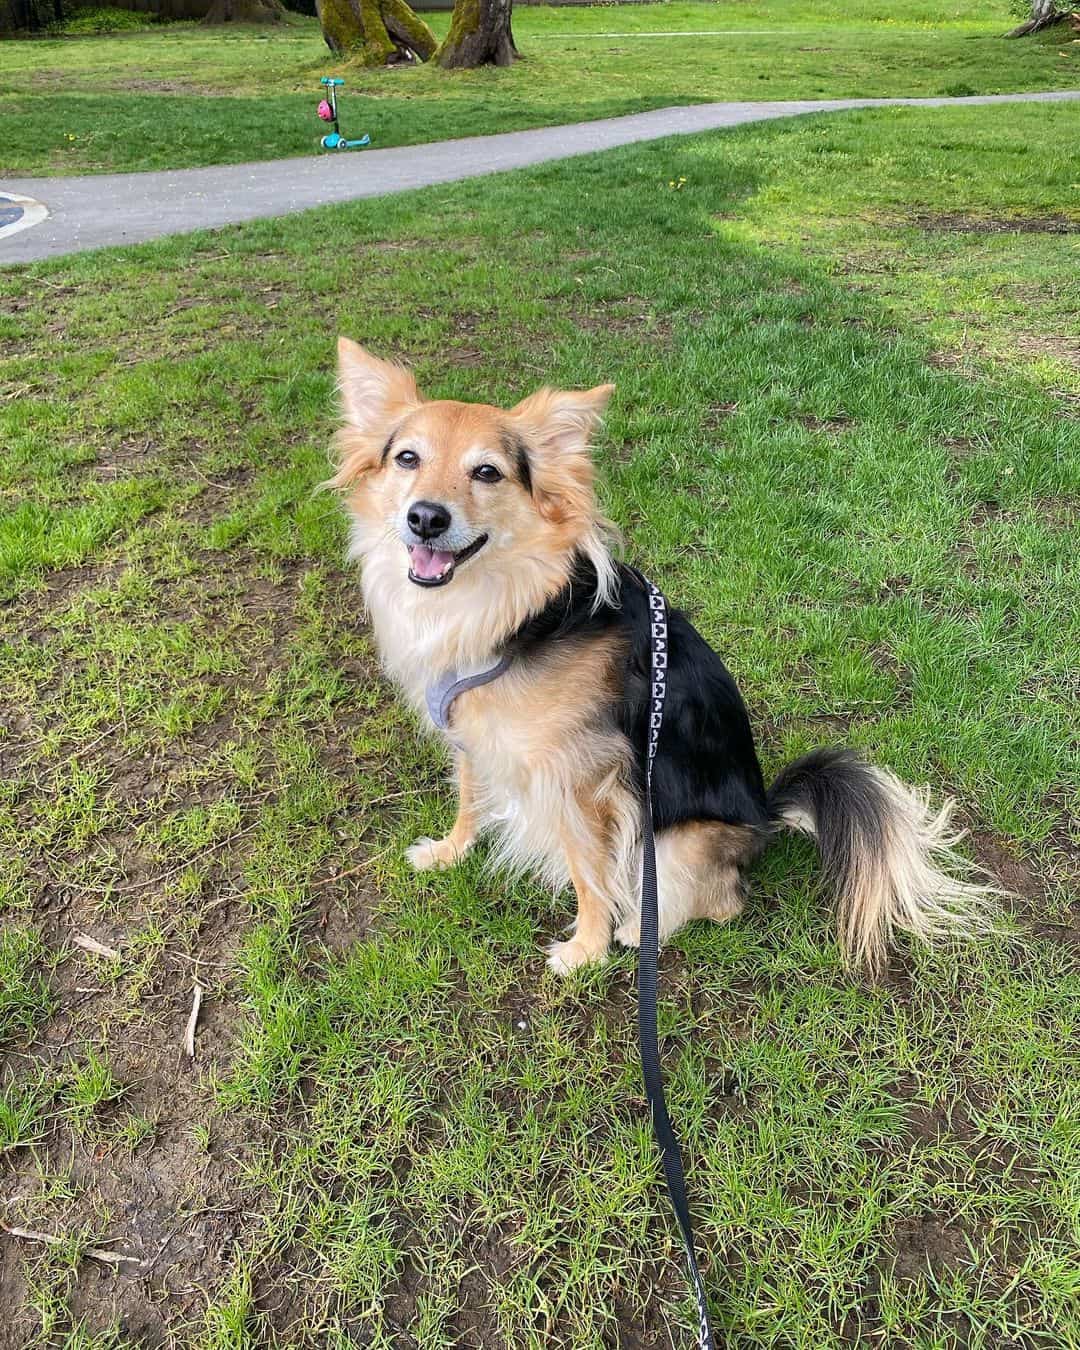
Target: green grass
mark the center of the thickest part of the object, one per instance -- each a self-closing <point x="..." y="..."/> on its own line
<point x="24" y="995"/>
<point x="845" y="435"/>
<point x="181" y="95"/>
<point x="91" y="1087"/>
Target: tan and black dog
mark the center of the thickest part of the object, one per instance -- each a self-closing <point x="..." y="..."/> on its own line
<point x="487" y="575"/>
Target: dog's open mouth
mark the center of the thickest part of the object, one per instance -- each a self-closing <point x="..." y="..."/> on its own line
<point x="435" y="566"/>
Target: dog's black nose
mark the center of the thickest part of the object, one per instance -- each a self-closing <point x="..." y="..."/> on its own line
<point x="428" y="519"/>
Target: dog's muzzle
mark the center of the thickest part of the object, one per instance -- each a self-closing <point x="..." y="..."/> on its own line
<point x="429" y="566"/>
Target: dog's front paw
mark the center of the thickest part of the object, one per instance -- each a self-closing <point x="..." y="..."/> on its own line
<point x="628" y="934"/>
<point x="563" y="957"/>
<point x="428" y="855"/>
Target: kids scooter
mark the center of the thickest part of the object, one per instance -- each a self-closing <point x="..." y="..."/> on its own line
<point x="334" y="140"/>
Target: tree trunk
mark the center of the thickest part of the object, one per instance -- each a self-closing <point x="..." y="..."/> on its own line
<point x="480" y="35"/>
<point x="374" y="32"/>
<point x="1043" y="14"/>
<point x="245" y="11"/>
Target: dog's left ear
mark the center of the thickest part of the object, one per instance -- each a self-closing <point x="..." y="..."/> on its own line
<point x="557" y="427"/>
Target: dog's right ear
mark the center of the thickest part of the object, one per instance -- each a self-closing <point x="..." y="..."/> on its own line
<point x="375" y="396"/>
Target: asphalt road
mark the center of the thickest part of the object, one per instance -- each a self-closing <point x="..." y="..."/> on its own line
<point x="109" y="209"/>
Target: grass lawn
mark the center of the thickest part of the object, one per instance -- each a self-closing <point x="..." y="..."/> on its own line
<point x="846" y="434"/>
<point x="182" y="95"/>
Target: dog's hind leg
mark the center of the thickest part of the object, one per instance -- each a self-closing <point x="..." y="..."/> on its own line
<point x="438" y="854"/>
<point x="699" y="870"/>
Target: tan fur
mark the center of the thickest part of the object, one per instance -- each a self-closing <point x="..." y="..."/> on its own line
<point x="699" y="875"/>
<point x="427" y="854"/>
<point x="551" y="773"/>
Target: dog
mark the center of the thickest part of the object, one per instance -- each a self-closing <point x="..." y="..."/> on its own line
<point x="502" y="616"/>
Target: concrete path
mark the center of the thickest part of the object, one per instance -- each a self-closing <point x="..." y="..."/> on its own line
<point x="104" y="209"/>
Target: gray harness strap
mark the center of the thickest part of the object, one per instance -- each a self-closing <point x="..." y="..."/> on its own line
<point x="440" y="695"/>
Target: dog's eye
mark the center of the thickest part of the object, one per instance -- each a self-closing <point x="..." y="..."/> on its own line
<point x="487" y="473"/>
<point x="407" y="459"/>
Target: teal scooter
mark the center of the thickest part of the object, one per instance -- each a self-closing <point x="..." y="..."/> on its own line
<point x="327" y="110"/>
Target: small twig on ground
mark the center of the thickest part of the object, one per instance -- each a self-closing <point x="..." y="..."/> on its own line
<point x="98" y="1254"/>
<point x="350" y="872"/>
<point x="198" y="960"/>
<point x="149" y="1265"/>
<point x="193" y="1017"/>
<point x="89" y="944"/>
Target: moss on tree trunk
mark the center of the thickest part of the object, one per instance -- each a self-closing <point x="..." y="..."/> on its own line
<point x="480" y="35"/>
<point x="374" y="32"/>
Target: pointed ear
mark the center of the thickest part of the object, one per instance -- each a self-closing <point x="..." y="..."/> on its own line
<point x="375" y="396"/>
<point x="557" y="426"/>
<point x="373" y="392"/>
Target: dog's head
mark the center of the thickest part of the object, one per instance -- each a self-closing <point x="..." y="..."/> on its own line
<point x="463" y="488"/>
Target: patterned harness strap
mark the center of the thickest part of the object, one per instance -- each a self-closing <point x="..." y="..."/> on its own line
<point x="647" y="968"/>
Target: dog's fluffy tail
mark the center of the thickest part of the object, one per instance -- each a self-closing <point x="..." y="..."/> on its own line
<point x="890" y="857"/>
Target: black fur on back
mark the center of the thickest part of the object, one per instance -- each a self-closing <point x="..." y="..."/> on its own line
<point x="706" y="767"/>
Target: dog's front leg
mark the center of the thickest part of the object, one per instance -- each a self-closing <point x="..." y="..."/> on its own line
<point x="439" y="854"/>
<point x="585" y="843"/>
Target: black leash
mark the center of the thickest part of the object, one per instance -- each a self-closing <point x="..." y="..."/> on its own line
<point x="647" y="962"/>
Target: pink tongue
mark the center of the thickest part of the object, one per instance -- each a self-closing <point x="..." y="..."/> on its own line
<point x="429" y="563"/>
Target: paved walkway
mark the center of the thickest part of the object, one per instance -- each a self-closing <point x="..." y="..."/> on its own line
<point x="104" y="209"/>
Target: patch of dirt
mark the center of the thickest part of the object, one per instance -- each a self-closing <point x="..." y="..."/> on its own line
<point x="831" y="426"/>
<point x="925" y="1124"/>
<point x="340" y="915"/>
<point x="1036" y="346"/>
<point x="219" y="493"/>
<point x="176" y="1206"/>
<point x="945" y="361"/>
<point x="145" y="86"/>
<point x="393" y="246"/>
<point x="1059" y="513"/>
<point x="626" y="317"/>
<point x="717" y="414"/>
<point x="175" y="1202"/>
<point x="1010" y="872"/>
<point x="1071" y="401"/>
<point x="961" y="447"/>
<point x="56" y="589"/>
<point x="926" y="1246"/>
<point x="957" y="222"/>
